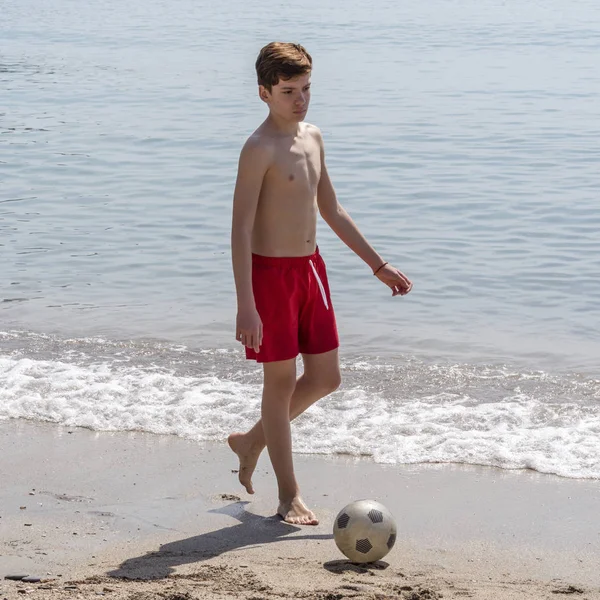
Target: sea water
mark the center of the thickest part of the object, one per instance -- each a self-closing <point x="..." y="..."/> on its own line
<point x="462" y="137"/>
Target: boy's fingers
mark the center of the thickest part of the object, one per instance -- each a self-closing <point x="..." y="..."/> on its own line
<point x="404" y="278"/>
<point x="405" y="283"/>
<point x="401" y="284"/>
<point x="401" y="290"/>
<point x="251" y="340"/>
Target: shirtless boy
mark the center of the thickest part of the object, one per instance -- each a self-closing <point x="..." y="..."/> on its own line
<point x="283" y="299"/>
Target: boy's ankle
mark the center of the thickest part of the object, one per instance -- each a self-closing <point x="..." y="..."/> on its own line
<point x="285" y="498"/>
<point x="250" y="440"/>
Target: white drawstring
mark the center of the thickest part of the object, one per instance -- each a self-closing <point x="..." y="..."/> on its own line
<point x="320" y="285"/>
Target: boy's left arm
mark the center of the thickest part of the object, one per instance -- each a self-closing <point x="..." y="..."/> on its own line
<point x="344" y="227"/>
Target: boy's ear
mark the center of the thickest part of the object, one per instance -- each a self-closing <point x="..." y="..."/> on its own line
<point x="263" y="93"/>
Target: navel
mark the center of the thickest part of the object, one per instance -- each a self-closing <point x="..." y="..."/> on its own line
<point x="291" y="178"/>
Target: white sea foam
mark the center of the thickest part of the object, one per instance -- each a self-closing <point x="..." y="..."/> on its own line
<point x="105" y="397"/>
<point x="516" y="431"/>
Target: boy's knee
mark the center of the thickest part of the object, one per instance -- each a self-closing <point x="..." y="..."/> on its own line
<point x="283" y="384"/>
<point x="330" y="382"/>
<point x="336" y="381"/>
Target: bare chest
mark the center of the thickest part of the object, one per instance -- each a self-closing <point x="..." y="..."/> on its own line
<point x="296" y="169"/>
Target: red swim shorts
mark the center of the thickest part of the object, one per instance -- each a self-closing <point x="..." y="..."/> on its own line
<point x="293" y="300"/>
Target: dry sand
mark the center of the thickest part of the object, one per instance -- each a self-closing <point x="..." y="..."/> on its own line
<point x="141" y="516"/>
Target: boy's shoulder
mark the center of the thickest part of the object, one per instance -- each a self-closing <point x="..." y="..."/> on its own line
<point x="259" y="146"/>
<point x="313" y="131"/>
<point x="259" y="139"/>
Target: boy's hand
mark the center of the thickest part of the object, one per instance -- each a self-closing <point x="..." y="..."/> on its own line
<point x="249" y="329"/>
<point x="397" y="281"/>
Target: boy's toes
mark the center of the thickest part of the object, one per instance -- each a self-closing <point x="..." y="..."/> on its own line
<point x="296" y="513"/>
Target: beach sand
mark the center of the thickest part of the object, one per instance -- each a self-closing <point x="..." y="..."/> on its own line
<point x="140" y="516"/>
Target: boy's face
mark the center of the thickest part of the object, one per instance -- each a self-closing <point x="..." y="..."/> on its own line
<point x="288" y="99"/>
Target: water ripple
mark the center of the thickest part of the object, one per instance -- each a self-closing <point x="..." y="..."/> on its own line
<point x="462" y="137"/>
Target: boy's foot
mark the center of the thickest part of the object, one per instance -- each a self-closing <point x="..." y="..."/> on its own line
<point x="296" y="513"/>
<point x="248" y="455"/>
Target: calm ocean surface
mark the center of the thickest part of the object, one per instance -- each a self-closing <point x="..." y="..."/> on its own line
<point x="462" y="137"/>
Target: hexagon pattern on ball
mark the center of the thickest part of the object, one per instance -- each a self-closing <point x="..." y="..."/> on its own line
<point x="364" y="531"/>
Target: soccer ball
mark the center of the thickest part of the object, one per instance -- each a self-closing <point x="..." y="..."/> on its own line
<point x="365" y="531"/>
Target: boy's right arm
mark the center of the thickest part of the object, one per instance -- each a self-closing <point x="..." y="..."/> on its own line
<point x="253" y="164"/>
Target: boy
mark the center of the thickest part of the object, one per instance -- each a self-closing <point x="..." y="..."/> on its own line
<point x="283" y="299"/>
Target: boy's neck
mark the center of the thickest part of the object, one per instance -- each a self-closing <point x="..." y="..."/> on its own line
<point x="283" y="127"/>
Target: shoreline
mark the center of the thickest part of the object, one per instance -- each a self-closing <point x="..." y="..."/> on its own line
<point x="575" y="357"/>
<point x="169" y="511"/>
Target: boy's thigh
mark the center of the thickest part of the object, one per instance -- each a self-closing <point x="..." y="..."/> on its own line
<point x="322" y="367"/>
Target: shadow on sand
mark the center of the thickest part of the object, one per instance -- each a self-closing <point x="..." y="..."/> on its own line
<point x="251" y="531"/>
<point x="342" y="566"/>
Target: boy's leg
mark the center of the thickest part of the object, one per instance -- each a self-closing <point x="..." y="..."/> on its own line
<point x="321" y="377"/>
<point x="279" y="384"/>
